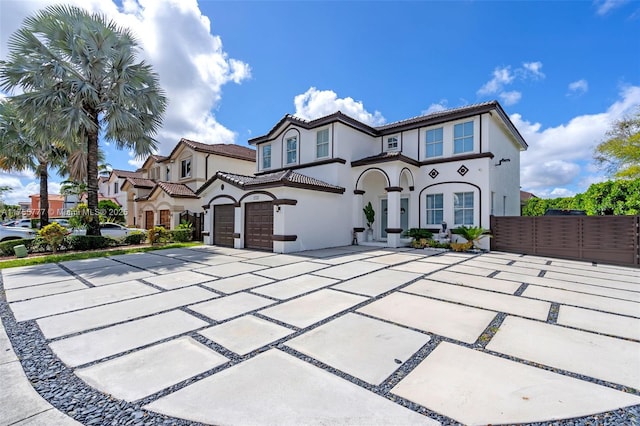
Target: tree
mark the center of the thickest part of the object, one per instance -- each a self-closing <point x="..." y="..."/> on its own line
<point x="24" y="147"/>
<point x="81" y="69"/>
<point x="619" y="154"/>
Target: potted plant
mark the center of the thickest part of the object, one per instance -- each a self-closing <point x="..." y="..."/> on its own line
<point x="370" y="215"/>
<point x="473" y="235"/>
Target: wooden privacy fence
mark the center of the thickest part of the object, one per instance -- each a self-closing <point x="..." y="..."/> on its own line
<point x="600" y="239"/>
<point x="197" y="223"/>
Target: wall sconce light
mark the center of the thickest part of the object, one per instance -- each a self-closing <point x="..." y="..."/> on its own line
<point x="503" y="160"/>
<point x="277" y="208"/>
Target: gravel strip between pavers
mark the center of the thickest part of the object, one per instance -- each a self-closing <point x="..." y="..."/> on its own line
<point x="59" y="386"/>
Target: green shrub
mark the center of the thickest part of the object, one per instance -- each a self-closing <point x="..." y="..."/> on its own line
<point x="6" y="248"/>
<point x="53" y="234"/>
<point x="180" y="235"/>
<point x="90" y="242"/>
<point x="135" y="237"/>
<point x="158" y="235"/>
<point x="418" y="233"/>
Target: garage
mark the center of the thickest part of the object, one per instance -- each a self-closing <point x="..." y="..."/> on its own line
<point x="258" y="228"/>
<point x="223" y="224"/>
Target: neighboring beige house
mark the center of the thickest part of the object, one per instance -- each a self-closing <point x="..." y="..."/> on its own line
<point x="312" y="180"/>
<point x="164" y="187"/>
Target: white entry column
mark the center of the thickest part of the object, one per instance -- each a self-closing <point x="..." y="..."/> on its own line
<point x="358" y="215"/>
<point x="393" y="216"/>
<point x="237" y="227"/>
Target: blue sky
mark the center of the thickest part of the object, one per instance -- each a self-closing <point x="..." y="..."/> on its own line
<point x="563" y="71"/>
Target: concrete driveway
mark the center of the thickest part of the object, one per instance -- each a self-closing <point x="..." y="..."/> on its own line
<point x="350" y="335"/>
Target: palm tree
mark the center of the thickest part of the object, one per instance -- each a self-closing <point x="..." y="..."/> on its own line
<point x="22" y="148"/>
<point x="81" y="69"/>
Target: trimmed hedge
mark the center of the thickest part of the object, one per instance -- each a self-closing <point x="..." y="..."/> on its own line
<point x="89" y="242"/>
<point x="136" y="237"/>
<point x="6" y="247"/>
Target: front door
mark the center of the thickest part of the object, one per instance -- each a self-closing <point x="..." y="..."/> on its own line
<point x="148" y="219"/>
<point x="404" y="216"/>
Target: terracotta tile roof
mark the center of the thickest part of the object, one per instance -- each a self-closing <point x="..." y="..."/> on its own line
<point x="384" y="157"/>
<point x="139" y="182"/>
<point x="225" y="150"/>
<point x="282" y="178"/>
<point x="126" y="173"/>
<point x="159" y="158"/>
<point x="176" y="190"/>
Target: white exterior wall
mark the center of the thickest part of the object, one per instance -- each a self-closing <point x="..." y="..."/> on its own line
<point x="504" y="179"/>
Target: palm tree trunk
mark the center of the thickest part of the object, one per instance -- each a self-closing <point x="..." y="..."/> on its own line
<point x="44" y="194"/>
<point x="93" y="227"/>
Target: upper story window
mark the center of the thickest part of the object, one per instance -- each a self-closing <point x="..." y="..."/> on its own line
<point x="185" y="168"/>
<point x="392" y="143"/>
<point x="292" y="150"/>
<point x="434" y="142"/>
<point x="115" y="187"/>
<point x="463" y="137"/>
<point x="463" y="208"/>
<point x="168" y="174"/>
<point x="322" y="143"/>
<point x="266" y="156"/>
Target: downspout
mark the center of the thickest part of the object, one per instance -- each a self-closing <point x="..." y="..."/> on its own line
<point x="206" y="167"/>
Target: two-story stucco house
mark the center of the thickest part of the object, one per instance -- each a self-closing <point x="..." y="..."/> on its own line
<point x="313" y="179"/>
<point x="164" y="187"/>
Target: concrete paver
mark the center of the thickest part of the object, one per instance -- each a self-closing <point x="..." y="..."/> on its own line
<point x="99" y="316"/>
<point x="276" y="388"/>
<point x="484" y="271"/>
<point x="115" y="274"/>
<point x="476" y="281"/>
<point x="447" y="319"/>
<point x="349" y="270"/>
<point x="529" y="308"/>
<point x="245" y="334"/>
<point x="366" y="348"/>
<point x="230" y="269"/>
<point x="238" y="283"/>
<point x="476" y="388"/>
<point x="291" y="270"/>
<point x="581" y="352"/>
<point x="145" y="372"/>
<point x="313" y="307"/>
<point x="276" y="260"/>
<point x="58" y="303"/>
<point x="23" y="293"/>
<point x="95" y="345"/>
<point x="95" y="263"/>
<point x="418" y="267"/>
<point x="293" y="287"/>
<point x="27" y="278"/>
<point x="394" y="259"/>
<point x="180" y="279"/>
<point x="377" y="282"/>
<point x="230" y="306"/>
<point x="602" y="303"/>
<point x="600" y="322"/>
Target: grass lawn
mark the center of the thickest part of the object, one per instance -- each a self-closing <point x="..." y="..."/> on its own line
<point x="54" y="258"/>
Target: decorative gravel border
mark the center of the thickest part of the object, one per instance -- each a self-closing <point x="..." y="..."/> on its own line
<point x="57" y="383"/>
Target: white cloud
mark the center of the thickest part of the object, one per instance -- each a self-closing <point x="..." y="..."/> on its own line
<point x="532" y="69"/>
<point x="562" y="155"/>
<point x="436" y="107"/>
<point x="504" y="76"/>
<point x="510" y="98"/>
<point x="501" y="77"/>
<point x="605" y="6"/>
<point x="579" y="87"/>
<point x="316" y="103"/>
<point x="21" y="189"/>
<point x="190" y="60"/>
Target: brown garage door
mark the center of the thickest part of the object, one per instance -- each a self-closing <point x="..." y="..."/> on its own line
<point x="148" y="219"/>
<point x="258" y="229"/>
<point x="223" y="222"/>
